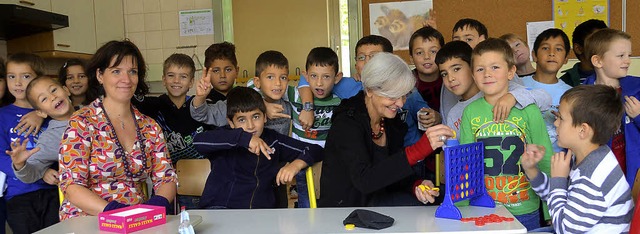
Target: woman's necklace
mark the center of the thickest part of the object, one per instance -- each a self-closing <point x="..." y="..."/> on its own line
<point x="122" y="154"/>
<point x="377" y="136"/>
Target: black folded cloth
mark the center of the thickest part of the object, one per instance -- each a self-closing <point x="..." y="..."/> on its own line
<point x="368" y="219"/>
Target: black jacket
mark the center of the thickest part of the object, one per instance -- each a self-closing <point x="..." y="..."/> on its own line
<point x="352" y="174"/>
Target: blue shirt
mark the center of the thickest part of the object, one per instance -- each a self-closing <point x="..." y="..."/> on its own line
<point x="10" y="117"/>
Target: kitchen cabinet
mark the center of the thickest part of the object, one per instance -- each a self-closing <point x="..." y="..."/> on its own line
<point x="44" y="5"/>
<point x="109" y="19"/>
<point x="91" y="24"/>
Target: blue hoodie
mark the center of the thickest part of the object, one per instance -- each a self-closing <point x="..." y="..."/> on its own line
<point x="10" y="117"/>
<point x="630" y="86"/>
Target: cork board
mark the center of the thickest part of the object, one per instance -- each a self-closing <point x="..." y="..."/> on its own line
<point x="508" y="16"/>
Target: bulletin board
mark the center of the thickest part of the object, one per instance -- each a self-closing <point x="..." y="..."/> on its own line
<point x="509" y="16"/>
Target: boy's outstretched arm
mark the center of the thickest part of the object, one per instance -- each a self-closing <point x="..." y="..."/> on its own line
<point x="306" y="118"/>
<point x="30" y="123"/>
<point x="208" y="142"/>
<point x="525" y="97"/>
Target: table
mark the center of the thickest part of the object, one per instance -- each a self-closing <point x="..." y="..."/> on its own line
<point x="417" y="219"/>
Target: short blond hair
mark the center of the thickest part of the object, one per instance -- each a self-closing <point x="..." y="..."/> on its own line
<point x="387" y="75"/>
<point x="513" y="36"/>
<point x="598" y="42"/>
<point x="495" y="45"/>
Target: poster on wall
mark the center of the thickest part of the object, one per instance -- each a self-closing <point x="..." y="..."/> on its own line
<point x="396" y="21"/>
<point x="196" y="22"/>
<point x="567" y="14"/>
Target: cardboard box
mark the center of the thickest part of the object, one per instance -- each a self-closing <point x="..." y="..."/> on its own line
<point x="131" y="219"/>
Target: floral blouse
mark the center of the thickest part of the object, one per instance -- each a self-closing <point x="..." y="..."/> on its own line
<point x="87" y="159"/>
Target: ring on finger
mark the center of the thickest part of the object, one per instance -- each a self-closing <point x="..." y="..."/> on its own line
<point x="442" y="138"/>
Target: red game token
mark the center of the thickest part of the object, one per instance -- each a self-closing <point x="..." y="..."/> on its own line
<point x="479" y="223"/>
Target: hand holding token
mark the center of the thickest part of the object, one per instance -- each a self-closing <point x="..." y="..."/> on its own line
<point x="426" y="192"/>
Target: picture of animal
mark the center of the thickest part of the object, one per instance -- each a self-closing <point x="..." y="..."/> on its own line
<point x="395" y="25"/>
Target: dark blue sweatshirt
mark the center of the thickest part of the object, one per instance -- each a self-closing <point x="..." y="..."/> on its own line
<point x="240" y="179"/>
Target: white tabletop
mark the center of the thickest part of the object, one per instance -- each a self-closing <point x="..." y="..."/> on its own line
<point x="321" y="220"/>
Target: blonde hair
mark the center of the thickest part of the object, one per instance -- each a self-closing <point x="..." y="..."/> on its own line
<point x="387" y="75"/>
<point x="512" y="36"/>
<point x="598" y="42"/>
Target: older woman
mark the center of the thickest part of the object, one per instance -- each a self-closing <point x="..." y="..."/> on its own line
<point x="365" y="162"/>
<point x="110" y="149"/>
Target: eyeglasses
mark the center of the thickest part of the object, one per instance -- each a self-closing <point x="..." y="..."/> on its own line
<point x="363" y="57"/>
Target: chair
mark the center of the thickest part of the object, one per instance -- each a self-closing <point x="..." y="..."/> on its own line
<point x="192" y="176"/>
<point x="313" y="177"/>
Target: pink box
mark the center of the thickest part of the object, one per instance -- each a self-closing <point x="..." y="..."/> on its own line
<point x="132" y="218"/>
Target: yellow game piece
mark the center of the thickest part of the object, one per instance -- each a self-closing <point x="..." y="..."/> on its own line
<point x="435" y="189"/>
<point x="454" y="135"/>
<point x="350" y="226"/>
<point x="422" y="187"/>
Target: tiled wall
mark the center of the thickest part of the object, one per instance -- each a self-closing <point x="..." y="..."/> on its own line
<point x="154" y="27"/>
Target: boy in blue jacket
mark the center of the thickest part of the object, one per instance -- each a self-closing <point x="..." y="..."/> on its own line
<point x="245" y="156"/>
<point x="609" y="51"/>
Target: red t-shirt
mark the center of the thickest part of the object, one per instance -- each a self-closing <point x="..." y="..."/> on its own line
<point x="618" y="146"/>
<point x="430" y="91"/>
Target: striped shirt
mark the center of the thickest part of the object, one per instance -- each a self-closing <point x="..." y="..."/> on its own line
<point x="595" y="199"/>
<point x="322" y="112"/>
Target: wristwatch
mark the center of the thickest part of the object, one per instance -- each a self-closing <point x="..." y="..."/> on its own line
<point x="307" y="106"/>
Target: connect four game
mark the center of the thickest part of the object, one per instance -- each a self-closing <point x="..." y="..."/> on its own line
<point x="464" y="178"/>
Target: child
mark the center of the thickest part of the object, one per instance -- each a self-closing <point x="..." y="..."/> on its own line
<point x="595" y="197"/>
<point x="609" y="51"/>
<point x="323" y="73"/>
<point x="581" y="70"/>
<point x="72" y="76"/>
<point x="473" y="32"/>
<point x="550" y="51"/>
<point x="240" y="177"/>
<point x="171" y="112"/>
<point x="470" y="31"/>
<point x="454" y="63"/>
<point x="348" y="87"/>
<point x="50" y="99"/>
<point x="220" y="60"/>
<point x="27" y="204"/>
<point x="493" y="66"/>
<point x="423" y="46"/>
<point x="272" y="71"/>
<point x="521" y="52"/>
<point x="5" y="98"/>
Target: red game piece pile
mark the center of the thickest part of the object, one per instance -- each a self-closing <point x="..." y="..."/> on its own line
<point x="482" y="220"/>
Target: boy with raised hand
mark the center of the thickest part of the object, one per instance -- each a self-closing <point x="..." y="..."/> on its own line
<point x="493" y="66"/>
<point x="25" y="201"/>
<point x="171" y="112"/>
<point x="609" y="51"/>
<point x="241" y="178"/>
<point x="220" y="60"/>
<point x="454" y="63"/>
<point x="586" y="190"/>
<point x="550" y="51"/>
<point x="49" y="99"/>
<point x="272" y="70"/>
<point x="576" y="75"/>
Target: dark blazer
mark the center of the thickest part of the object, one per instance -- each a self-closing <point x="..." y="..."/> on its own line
<point x="352" y="173"/>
